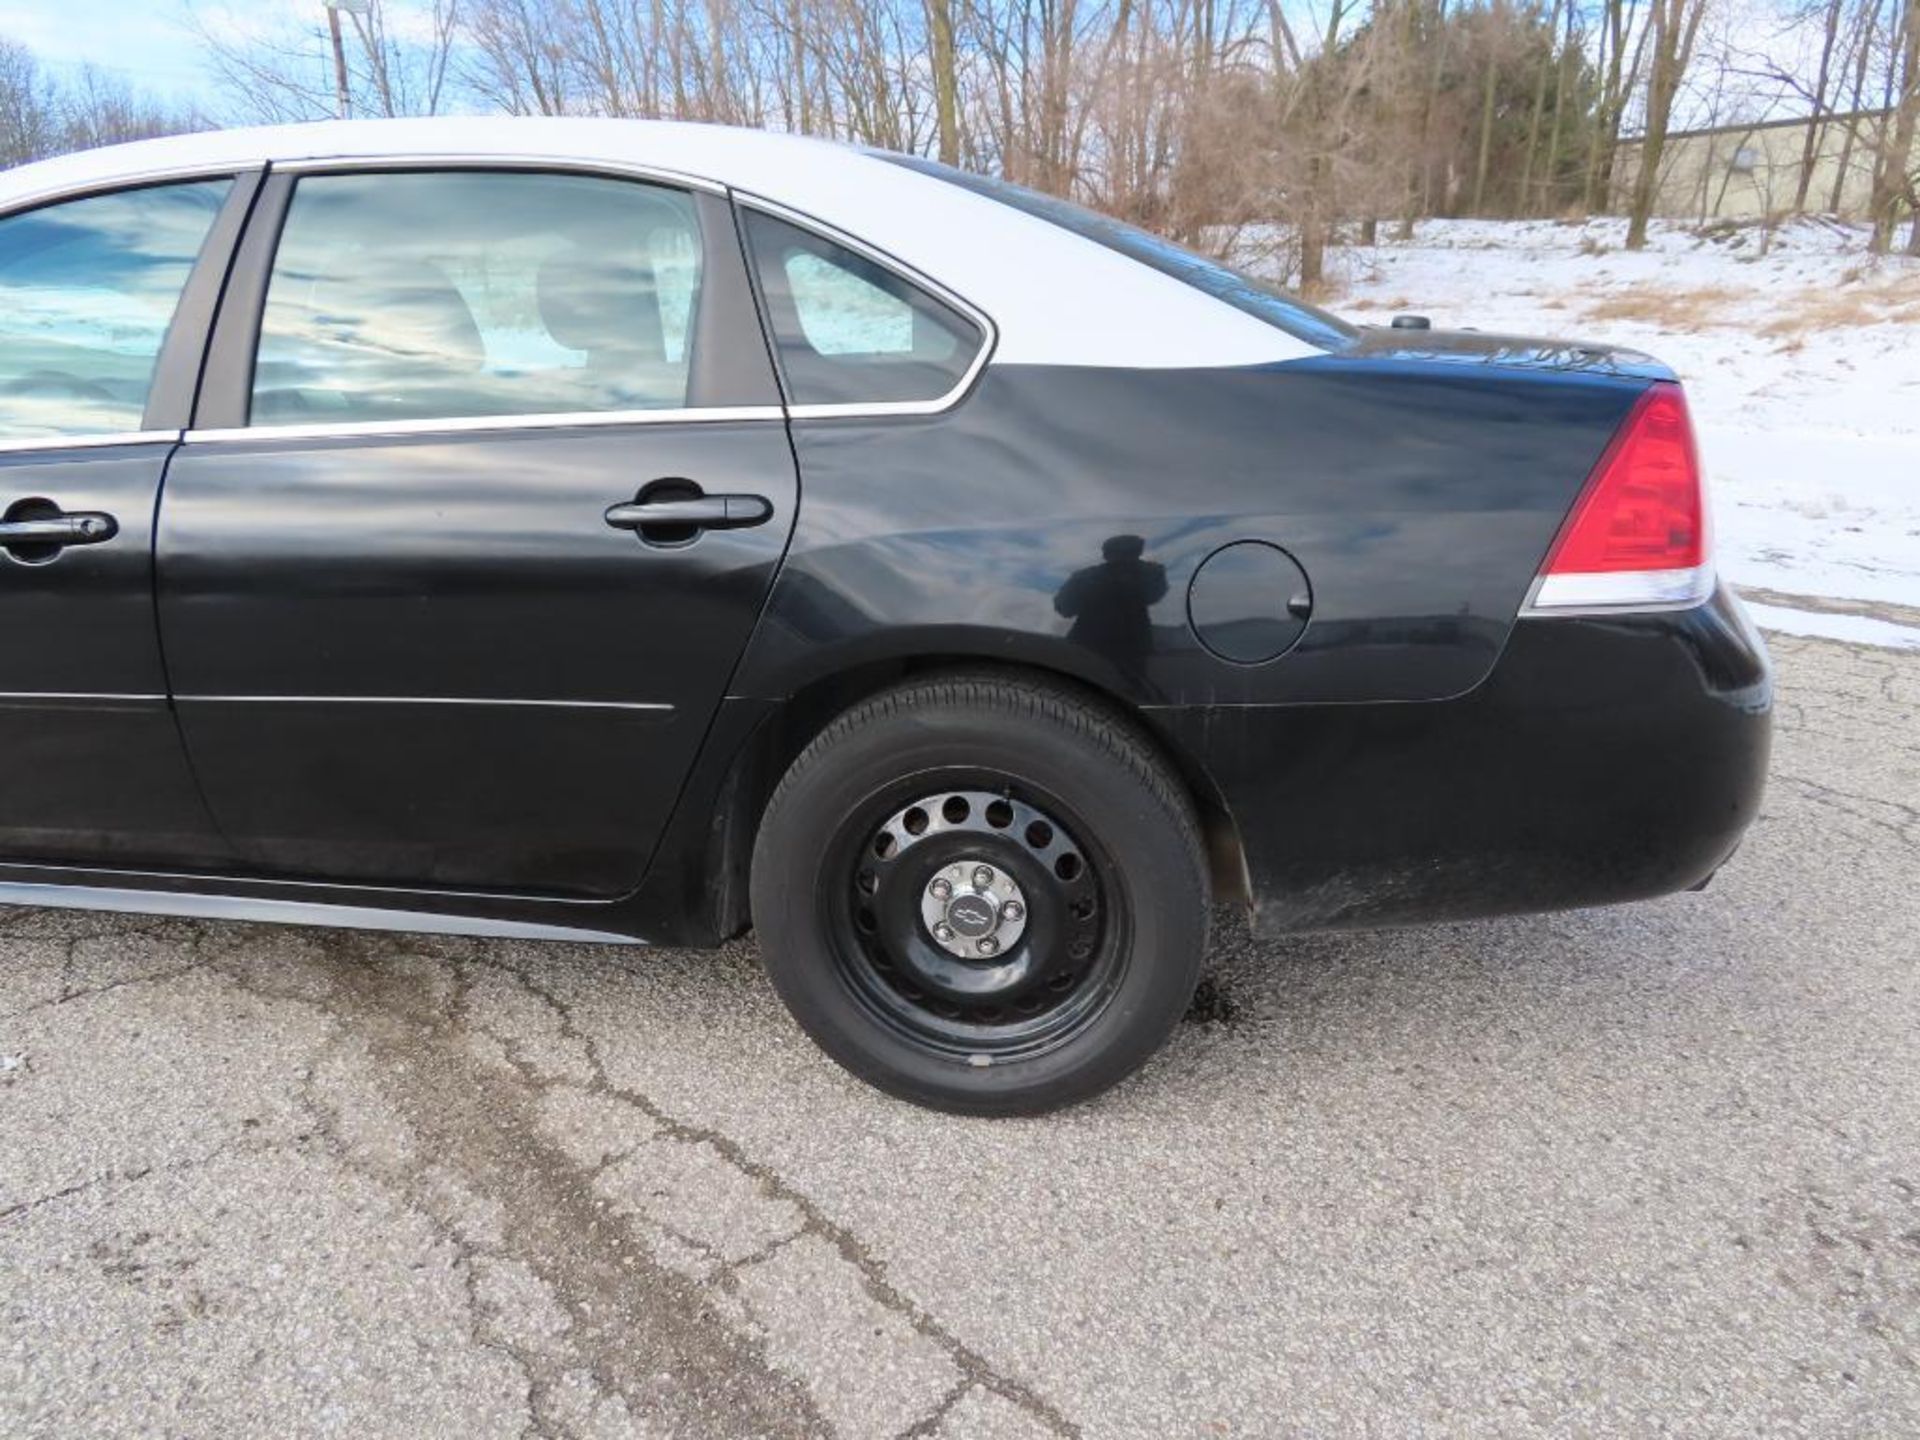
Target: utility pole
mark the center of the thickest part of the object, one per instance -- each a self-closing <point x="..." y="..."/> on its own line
<point x="342" y="96"/>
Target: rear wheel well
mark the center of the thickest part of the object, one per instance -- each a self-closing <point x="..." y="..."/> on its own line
<point x="765" y="759"/>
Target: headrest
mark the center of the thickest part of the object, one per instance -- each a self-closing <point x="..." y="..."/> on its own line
<point x="602" y="304"/>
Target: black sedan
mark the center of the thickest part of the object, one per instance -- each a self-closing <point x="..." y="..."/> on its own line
<point x="621" y="531"/>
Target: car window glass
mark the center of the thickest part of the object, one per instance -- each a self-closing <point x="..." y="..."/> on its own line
<point x="405" y="296"/>
<point x="842" y="313"/>
<point x="850" y="331"/>
<point x="87" y="290"/>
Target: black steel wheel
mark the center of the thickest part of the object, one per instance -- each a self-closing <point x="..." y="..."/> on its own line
<point x="976" y="922"/>
<point x="983" y="895"/>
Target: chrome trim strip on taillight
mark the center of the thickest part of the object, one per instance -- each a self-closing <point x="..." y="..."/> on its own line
<point x="1620" y="592"/>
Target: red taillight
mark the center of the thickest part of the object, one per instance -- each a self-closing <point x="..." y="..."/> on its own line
<point x="1642" y="508"/>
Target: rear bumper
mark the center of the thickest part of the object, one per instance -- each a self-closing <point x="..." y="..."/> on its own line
<point x="1604" y="759"/>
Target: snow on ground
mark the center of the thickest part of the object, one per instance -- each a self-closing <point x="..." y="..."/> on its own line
<point x="1802" y="366"/>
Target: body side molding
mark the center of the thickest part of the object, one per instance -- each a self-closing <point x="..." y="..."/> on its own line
<point x="295" y="912"/>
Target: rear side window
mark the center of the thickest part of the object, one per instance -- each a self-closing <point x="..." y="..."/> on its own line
<point x="404" y="296"/>
<point x="87" y="290"/>
<point x="850" y="331"/>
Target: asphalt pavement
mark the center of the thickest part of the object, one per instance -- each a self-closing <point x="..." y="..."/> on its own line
<point x="1653" y="1169"/>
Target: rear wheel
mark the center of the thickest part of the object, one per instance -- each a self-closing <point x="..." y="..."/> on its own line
<point x="983" y="895"/>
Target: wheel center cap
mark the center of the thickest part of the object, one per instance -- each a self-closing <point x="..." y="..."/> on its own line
<point x="973" y="915"/>
<point x="973" y="909"/>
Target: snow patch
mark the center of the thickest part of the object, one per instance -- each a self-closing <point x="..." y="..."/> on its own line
<point x="1856" y="629"/>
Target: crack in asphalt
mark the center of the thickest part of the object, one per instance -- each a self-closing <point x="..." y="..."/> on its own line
<point x="651" y="1328"/>
<point x="974" y="1368"/>
<point x="650" y="1339"/>
<point x="126" y="1178"/>
<point x="1857" y="806"/>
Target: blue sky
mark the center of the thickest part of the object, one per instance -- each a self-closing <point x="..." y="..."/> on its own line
<point x="149" y="43"/>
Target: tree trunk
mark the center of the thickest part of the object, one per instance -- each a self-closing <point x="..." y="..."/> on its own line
<point x="1313" y="227"/>
<point x="1417" y="198"/>
<point x="802" y="107"/>
<point x="1853" y="108"/>
<point x="1892" y="185"/>
<point x="1810" y="152"/>
<point x="946" y="79"/>
<point x="1566" y="54"/>
<point x="1486" y="132"/>
<point x="1313" y="251"/>
<point x="1606" y="129"/>
<point x="1675" y="24"/>
<point x="1524" y="204"/>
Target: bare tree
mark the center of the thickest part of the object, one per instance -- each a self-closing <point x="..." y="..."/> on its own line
<point x="29" y="109"/>
<point x="1818" y="99"/>
<point x="521" y="62"/>
<point x="100" y="109"/>
<point x="41" y="117"/>
<point x="945" y="66"/>
<point x="1208" y="120"/>
<point x="1619" y="83"/>
<point x="1867" y="21"/>
<point x="398" y="60"/>
<point x="1675" y="25"/>
<point x="1894" y="166"/>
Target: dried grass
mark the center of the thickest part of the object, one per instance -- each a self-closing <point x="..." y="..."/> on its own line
<point x="1668" y="309"/>
<point x="1862" y="298"/>
<point x="1869" y="302"/>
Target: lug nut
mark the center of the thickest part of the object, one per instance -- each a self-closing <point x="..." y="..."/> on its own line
<point x="988" y="946"/>
<point x="943" y="932"/>
<point x="1012" y="910"/>
<point x="942" y="889"/>
<point x="982" y="878"/>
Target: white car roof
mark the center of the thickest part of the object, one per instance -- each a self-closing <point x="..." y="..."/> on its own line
<point x="1054" y="297"/>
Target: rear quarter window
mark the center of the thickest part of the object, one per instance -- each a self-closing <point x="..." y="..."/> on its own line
<point x="850" y="331"/>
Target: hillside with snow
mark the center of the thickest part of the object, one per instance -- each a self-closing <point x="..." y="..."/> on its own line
<point x="1802" y="365"/>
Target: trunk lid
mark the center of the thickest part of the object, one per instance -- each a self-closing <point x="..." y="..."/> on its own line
<point x="1507" y="352"/>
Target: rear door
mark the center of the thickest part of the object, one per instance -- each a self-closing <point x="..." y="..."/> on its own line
<point x="489" y="482"/>
<point x="104" y="300"/>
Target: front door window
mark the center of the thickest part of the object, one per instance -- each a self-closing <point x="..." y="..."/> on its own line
<point x="88" y="288"/>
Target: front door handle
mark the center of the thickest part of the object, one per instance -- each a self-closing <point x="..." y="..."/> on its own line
<point x="85" y="527"/>
<point x="691" y="512"/>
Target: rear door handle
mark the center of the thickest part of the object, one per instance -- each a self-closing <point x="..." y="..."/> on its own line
<point x="697" y="512"/>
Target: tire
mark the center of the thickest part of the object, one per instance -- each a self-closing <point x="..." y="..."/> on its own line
<point x="1068" y="938"/>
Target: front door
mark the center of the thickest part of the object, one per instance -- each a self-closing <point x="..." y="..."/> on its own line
<point x="97" y="354"/>
<point x="452" y="585"/>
